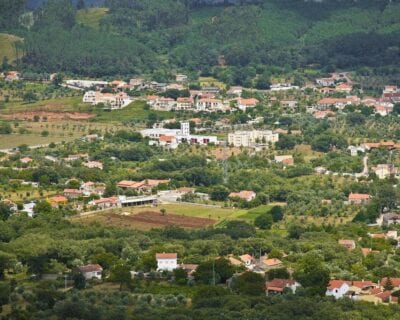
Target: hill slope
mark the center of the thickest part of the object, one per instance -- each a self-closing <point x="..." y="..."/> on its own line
<point x="7" y="46"/>
<point x="160" y="35"/>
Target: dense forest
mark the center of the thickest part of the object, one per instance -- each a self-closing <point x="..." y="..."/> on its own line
<point x="136" y="37"/>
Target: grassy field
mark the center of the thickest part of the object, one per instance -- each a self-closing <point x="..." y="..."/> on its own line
<point x="220" y="215"/>
<point x="91" y="16"/>
<point x="67" y="104"/>
<point x="24" y="194"/>
<point x="210" y="82"/>
<point x="66" y="130"/>
<point x="7" y="49"/>
<point x="135" y="111"/>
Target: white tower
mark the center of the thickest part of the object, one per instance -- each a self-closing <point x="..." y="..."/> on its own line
<point x="185" y="129"/>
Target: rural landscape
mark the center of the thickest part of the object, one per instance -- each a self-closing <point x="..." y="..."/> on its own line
<point x="199" y="159"/>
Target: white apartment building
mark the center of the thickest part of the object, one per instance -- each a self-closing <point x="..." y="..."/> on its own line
<point x="251" y="138"/>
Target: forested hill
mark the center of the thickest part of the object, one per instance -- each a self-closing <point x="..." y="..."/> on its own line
<point x="248" y="36"/>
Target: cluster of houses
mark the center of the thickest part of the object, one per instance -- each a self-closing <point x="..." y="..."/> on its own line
<point x="96" y="93"/>
<point x="365" y="290"/>
<point x="111" y="101"/>
<point x="199" y="101"/>
<point x="382" y="106"/>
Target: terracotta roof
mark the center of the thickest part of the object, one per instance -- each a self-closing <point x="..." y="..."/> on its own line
<point x="235" y="261"/>
<point x="358" y="196"/>
<point x="244" y="194"/>
<point x="248" y="102"/>
<point x="395" y="281"/>
<point x="75" y="191"/>
<point x="113" y="200"/>
<point x="279" y="284"/>
<point x="384" y="295"/>
<point x="185" y="99"/>
<point x="375" y="291"/>
<point x="160" y="256"/>
<point x="167" y="138"/>
<point x="336" y="284"/>
<point x="363" y="284"/>
<point x="246" y="257"/>
<point x="91" y="268"/>
<point x="272" y="262"/>
<point x="58" y="199"/>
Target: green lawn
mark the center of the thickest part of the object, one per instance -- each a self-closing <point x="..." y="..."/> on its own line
<point x="91" y="16"/>
<point x="53" y="105"/>
<point x="135" y="111"/>
<point x="7" y="48"/>
<point x="203" y="211"/>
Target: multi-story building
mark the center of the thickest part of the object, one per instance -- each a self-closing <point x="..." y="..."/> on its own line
<point x="251" y="138"/>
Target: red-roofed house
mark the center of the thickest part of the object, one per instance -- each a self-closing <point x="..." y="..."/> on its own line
<point x="272" y="263"/>
<point x="277" y="286"/>
<point x="248" y="260"/>
<point x="56" y="201"/>
<point x="91" y="271"/>
<point x="167" y="261"/>
<point x="72" y="193"/>
<point x="337" y="288"/>
<point x="359" y="198"/>
<point x="244" y="104"/>
<point x="344" y="87"/>
<point x="106" y="203"/>
<point x="26" y="160"/>
<point x="244" y="195"/>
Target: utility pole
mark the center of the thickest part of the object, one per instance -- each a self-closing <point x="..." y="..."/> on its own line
<point x="213" y="282"/>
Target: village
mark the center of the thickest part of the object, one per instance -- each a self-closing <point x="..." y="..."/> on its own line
<point x="187" y="167"/>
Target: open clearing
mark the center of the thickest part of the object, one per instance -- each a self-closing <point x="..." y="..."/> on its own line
<point x="91" y="16"/>
<point x="58" y="131"/>
<point x="175" y="214"/>
<point x="7" y="48"/>
<point x="146" y="220"/>
<point x="183" y="215"/>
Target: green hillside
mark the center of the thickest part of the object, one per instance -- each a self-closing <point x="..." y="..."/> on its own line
<point x="7" y="46"/>
<point x="159" y="36"/>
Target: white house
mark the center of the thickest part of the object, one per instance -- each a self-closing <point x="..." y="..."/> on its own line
<point x="167" y="261"/>
<point x="164" y="104"/>
<point x="181" y="78"/>
<point x="244" y="104"/>
<point x="184" y="103"/>
<point x="337" y="288"/>
<point x="210" y="105"/>
<point x="91" y="271"/>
